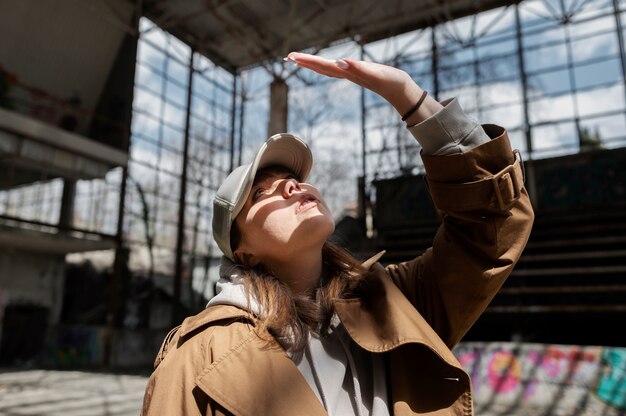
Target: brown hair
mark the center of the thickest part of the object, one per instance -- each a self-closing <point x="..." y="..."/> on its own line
<point x="288" y="316"/>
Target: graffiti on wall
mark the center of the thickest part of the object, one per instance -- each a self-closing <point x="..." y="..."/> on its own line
<point x="75" y="347"/>
<point x="538" y="374"/>
<point x="612" y="385"/>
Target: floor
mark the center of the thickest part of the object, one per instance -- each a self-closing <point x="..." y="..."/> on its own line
<point x="77" y="393"/>
<point x="70" y="393"/>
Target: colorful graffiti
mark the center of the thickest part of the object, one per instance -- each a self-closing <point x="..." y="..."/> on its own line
<point x="544" y="375"/>
<point x="612" y="385"/>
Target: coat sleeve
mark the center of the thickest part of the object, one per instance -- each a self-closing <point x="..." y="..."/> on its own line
<point x="487" y="218"/>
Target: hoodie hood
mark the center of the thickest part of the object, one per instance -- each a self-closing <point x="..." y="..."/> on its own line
<point x="231" y="290"/>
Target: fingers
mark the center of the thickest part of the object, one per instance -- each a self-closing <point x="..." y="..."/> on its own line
<point x="316" y="63"/>
<point x="321" y="70"/>
<point x="341" y="68"/>
<point x="392" y="84"/>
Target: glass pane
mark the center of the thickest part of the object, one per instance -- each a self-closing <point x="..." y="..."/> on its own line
<point x="173" y="138"/>
<point x="595" y="47"/>
<point x="144" y="151"/>
<point x="178" y="72"/>
<point x="144" y="125"/>
<point x="600" y="100"/>
<point x="416" y="42"/>
<point x="495" y="22"/>
<point x="179" y="50"/>
<point x="545" y="57"/>
<point x="466" y="96"/>
<point x="549" y="84"/>
<point x="598" y="73"/>
<point x="505" y="47"/>
<point x="518" y="141"/>
<point x="148" y="78"/>
<point x="509" y="117"/>
<point x="168" y="207"/>
<point x="536" y="38"/>
<point x="456" y="76"/>
<point x="451" y="55"/>
<point x="551" y="108"/>
<point x="166" y="235"/>
<point x="418" y="67"/>
<point x="554" y="139"/>
<point x="174" y="116"/>
<point x="501" y="93"/>
<point x="176" y="94"/>
<point x="506" y="67"/>
<point x="201" y="109"/>
<point x="584" y="29"/>
<point x="590" y="9"/>
<point x="149" y="55"/>
<point x="611" y="129"/>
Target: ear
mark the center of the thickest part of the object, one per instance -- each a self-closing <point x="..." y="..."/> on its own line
<point x="247" y="259"/>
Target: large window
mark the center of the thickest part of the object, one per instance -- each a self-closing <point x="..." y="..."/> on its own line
<point x="552" y="73"/>
<point x="157" y="155"/>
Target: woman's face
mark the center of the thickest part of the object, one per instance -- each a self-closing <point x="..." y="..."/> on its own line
<point x="281" y="218"/>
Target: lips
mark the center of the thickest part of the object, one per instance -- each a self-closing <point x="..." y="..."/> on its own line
<point x="305" y="203"/>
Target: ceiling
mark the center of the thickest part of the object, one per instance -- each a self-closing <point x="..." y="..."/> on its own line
<point x="238" y="34"/>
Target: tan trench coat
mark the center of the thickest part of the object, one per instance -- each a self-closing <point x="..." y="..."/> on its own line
<point x="215" y="363"/>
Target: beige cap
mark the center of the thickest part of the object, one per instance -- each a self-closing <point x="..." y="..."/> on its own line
<point x="281" y="149"/>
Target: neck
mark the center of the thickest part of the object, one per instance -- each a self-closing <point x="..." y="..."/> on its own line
<point x="301" y="272"/>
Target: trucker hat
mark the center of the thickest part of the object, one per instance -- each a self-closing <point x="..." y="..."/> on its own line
<point x="281" y="149"/>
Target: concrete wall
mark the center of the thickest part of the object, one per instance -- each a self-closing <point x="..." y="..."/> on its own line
<point x="33" y="279"/>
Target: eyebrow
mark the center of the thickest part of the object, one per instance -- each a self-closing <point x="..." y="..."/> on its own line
<point x="270" y="171"/>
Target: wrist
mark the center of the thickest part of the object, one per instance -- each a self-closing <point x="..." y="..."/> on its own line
<point x="407" y="96"/>
<point x="429" y="108"/>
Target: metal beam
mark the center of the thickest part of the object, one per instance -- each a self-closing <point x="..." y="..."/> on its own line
<point x="180" y="235"/>
<point x="232" y="124"/>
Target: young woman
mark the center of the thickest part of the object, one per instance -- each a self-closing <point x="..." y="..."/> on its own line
<point x="302" y="328"/>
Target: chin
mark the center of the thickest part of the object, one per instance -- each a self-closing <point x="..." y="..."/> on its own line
<point x="321" y="226"/>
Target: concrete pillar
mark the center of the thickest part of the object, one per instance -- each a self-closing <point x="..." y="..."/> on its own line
<point x="67" y="204"/>
<point x="279" y="98"/>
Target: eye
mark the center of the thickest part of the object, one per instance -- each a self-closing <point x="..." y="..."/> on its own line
<point x="257" y="193"/>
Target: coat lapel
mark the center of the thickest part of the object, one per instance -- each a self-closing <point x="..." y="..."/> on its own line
<point x="388" y="321"/>
<point x="257" y="379"/>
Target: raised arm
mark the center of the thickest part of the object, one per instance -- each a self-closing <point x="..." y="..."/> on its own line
<point x="475" y="180"/>
<point x="439" y="129"/>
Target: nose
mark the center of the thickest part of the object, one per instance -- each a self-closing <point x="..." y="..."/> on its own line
<point x="291" y="186"/>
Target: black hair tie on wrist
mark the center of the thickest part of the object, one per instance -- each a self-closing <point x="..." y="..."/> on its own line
<point x="415" y="107"/>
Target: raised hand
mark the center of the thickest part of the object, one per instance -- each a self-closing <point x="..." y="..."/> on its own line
<point x="393" y="84"/>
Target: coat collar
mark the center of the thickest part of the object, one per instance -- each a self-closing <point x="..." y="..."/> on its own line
<point x="248" y="369"/>
<point x="211" y="315"/>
